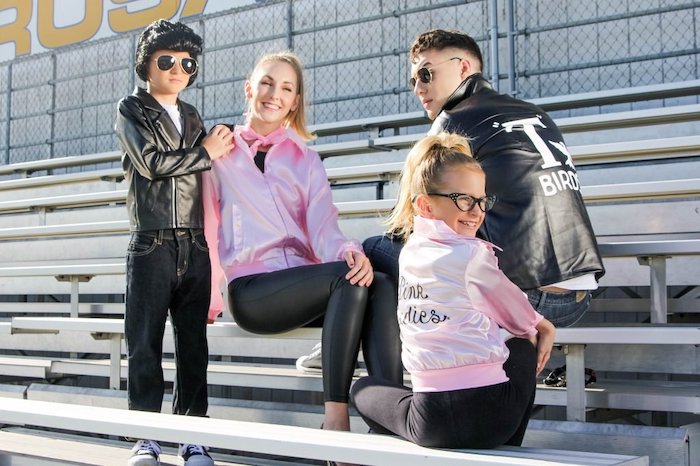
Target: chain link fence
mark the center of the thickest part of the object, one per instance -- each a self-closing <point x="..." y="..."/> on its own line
<point x="63" y="102"/>
<point x="566" y="47"/>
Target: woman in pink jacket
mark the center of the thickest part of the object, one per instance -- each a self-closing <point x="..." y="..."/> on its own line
<point x="471" y="389"/>
<point x="273" y="232"/>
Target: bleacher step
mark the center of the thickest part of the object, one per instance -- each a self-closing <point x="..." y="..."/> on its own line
<point x="56" y="448"/>
<point x="34" y="368"/>
<point x="272" y="412"/>
<point x="665" y="446"/>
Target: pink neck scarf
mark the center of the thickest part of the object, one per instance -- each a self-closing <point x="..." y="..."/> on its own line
<point x="255" y="140"/>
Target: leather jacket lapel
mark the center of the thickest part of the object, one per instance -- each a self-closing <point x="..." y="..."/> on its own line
<point x="168" y="131"/>
<point x="190" y="130"/>
<point x="161" y="121"/>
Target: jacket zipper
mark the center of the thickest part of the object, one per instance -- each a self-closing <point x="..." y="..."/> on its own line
<point x="173" y="185"/>
<point x="196" y="137"/>
<point x="173" y="182"/>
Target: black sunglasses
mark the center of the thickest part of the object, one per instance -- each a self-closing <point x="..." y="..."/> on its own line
<point x="425" y="75"/>
<point x="465" y="202"/>
<point x="166" y="62"/>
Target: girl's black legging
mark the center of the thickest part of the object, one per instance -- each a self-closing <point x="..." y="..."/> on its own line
<point x="280" y="301"/>
<point x="483" y="417"/>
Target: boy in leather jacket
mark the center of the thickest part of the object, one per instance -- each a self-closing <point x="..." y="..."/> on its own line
<point x="164" y="150"/>
<point x="540" y="221"/>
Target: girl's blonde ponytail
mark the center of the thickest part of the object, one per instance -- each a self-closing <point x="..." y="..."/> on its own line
<point x="422" y="173"/>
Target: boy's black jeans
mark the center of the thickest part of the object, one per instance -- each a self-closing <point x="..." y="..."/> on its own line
<point x="167" y="270"/>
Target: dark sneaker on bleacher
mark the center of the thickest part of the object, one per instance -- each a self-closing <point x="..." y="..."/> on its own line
<point x="145" y="453"/>
<point x="195" y="455"/>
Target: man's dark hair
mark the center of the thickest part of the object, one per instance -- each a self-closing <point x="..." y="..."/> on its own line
<point x="164" y="35"/>
<point x="441" y="39"/>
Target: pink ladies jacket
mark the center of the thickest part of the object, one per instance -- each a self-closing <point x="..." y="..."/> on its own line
<point x="452" y="300"/>
<point x="258" y="222"/>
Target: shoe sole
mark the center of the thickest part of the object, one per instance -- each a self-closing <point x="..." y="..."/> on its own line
<point x="319" y="371"/>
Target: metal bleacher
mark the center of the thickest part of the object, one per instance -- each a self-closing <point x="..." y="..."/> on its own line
<point x="63" y="233"/>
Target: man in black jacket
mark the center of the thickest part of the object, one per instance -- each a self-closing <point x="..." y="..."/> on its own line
<point x="165" y="149"/>
<point x="539" y="219"/>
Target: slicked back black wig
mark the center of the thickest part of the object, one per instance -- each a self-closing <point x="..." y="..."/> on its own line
<point x="164" y="35"/>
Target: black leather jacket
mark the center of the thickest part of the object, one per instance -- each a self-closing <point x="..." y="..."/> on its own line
<point x="161" y="166"/>
<point x="539" y="218"/>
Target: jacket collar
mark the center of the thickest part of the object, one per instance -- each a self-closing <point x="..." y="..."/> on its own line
<point x="470" y="86"/>
<point x="165" y="125"/>
<point x="148" y="100"/>
<point x="438" y="230"/>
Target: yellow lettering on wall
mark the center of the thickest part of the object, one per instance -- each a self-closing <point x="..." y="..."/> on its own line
<point x="193" y="7"/>
<point x="18" y="31"/>
<point x="52" y="37"/>
<point x="121" y="20"/>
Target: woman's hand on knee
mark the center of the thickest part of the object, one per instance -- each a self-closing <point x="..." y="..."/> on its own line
<point x="545" y="341"/>
<point x="361" y="272"/>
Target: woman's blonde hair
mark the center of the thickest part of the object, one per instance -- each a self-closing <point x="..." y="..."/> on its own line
<point x="297" y="117"/>
<point x="422" y="173"/>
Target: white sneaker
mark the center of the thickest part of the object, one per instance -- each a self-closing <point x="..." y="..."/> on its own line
<point x="145" y="453"/>
<point x="311" y="363"/>
<point x="195" y="455"/>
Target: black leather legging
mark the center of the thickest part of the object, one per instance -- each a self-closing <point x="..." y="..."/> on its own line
<point x="482" y="417"/>
<point x="280" y="301"/>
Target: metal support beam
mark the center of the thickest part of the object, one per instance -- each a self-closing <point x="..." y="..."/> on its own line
<point x="74" y="295"/>
<point x="115" y="360"/>
<point x="8" y="116"/>
<point x="575" y="383"/>
<point x="493" y="19"/>
<point x="512" y="78"/>
<point x="658" y="293"/>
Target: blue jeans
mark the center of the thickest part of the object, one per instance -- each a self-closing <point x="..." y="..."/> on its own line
<point x="383" y="253"/>
<point x="167" y="270"/>
<point x="562" y="309"/>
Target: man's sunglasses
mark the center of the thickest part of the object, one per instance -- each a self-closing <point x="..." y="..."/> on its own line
<point x="166" y="62"/>
<point x="465" y="202"/>
<point x="425" y="75"/>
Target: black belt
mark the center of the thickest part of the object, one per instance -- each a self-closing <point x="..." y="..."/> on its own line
<point x="177" y="233"/>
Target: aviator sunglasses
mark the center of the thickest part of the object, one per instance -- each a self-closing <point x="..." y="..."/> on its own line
<point x="166" y="62"/>
<point x="465" y="202"/>
<point x="425" y="74"/>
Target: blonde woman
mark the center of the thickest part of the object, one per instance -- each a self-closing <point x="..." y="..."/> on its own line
<point x="273" y="232"/>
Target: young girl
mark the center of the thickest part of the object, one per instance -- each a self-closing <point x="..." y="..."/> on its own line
<point x="273" y="231"/>
<point x="470" y="388"/>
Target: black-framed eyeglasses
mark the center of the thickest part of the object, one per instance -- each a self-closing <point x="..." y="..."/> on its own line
<point x="425" y="74"/>
<point x="465" y="202"/>
<point x="187" y="64"/>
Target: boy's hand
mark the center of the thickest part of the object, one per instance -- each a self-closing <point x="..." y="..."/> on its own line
<point x="218" y="142"/>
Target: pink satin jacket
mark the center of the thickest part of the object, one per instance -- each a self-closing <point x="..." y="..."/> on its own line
<point x="259" y="222"/>
<point x="452" y="300"/>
